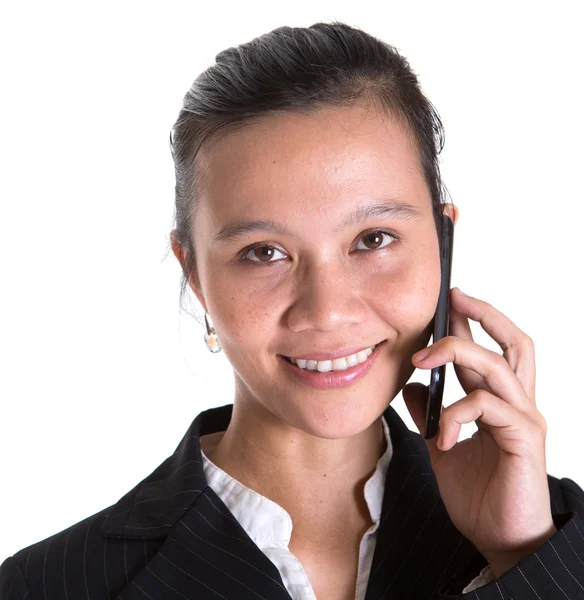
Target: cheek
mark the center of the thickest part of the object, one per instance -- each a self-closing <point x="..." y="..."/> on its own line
<point x="242" y="319"/>
<point x="407" y="296"/>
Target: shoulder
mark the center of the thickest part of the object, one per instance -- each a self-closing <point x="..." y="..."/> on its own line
<point x="101" y="553"/>
<point x="32" y="561"/>
<point x="80" y="560"/>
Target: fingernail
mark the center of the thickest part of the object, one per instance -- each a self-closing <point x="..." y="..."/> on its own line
<point x="421" y="355"/>
<point x="461" y="292"/>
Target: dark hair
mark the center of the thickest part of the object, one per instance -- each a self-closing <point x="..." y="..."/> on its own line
<point x="298" y="69"/>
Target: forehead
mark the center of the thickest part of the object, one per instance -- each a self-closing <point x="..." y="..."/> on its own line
<point x="328" y="160"/>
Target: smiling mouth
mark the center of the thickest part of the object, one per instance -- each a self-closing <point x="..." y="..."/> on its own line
<point x="324" y="378"/>
<point x="335" y="364"/>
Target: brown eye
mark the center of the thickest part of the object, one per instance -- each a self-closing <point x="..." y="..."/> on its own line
<point x="374" y="240"/>
<point x="261" y="254"/>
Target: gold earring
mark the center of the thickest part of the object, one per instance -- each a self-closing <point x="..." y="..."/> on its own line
<point x="211" y="337"/>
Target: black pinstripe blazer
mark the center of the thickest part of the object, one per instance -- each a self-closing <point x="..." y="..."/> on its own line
<point x="172" y="537"/>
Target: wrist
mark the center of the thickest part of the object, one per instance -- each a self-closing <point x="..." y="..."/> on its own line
<point x="500" y="563"/>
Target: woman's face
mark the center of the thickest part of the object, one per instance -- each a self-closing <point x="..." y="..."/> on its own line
<point x="293" y="259"/>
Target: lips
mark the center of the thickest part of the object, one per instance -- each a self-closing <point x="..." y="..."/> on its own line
<point x="331" y="379"/>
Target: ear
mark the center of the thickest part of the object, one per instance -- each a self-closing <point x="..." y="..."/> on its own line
<point x="181" y="252"/>
<point x="451" y="210"/>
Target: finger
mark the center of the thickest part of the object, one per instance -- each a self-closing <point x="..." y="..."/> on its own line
<point x="459" y="326"/>
<point x="518" y="348"/>
<point x="513" y="431"/>
<point x="490" y="366"/>
<point x="458" y="322"/>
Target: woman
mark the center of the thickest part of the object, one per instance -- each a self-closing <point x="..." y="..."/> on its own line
<point x="308" y="214"/>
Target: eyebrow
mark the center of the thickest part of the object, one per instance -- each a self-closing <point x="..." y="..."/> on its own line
<point x="395" y="210"/>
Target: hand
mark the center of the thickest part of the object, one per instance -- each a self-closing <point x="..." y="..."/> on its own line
<point x="493" y="485"/>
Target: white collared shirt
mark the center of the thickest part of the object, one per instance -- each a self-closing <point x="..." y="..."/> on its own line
<point x="270" y="526"/>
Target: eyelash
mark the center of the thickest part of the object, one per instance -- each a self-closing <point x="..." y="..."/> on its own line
<point x="270" y="262"/>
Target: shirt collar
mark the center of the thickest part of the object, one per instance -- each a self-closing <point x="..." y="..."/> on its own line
<point x="266" y="521"/>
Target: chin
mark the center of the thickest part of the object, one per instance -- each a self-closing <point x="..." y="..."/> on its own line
<point x="336" y="417"/>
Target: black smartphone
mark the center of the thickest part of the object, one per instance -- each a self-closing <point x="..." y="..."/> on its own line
<point x="441" y="318"/>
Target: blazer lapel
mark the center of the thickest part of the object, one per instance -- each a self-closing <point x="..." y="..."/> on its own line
<point x="205" y="553"/>
<point x="418" y="547"/>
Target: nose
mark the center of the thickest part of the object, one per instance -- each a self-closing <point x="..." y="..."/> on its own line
<point x="328" y="297"/>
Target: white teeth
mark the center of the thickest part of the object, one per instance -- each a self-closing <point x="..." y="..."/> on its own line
<point x="338" y="364"/>
<point x="362" y="356"/>
<point x="352" y="360"/>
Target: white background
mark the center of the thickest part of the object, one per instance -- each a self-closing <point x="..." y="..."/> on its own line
<point x="100" y="374"/>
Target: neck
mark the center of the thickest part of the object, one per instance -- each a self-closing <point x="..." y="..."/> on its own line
<point x="299" y="471"/>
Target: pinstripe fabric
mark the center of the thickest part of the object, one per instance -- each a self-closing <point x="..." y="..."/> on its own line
<point x="172" y="537"/>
